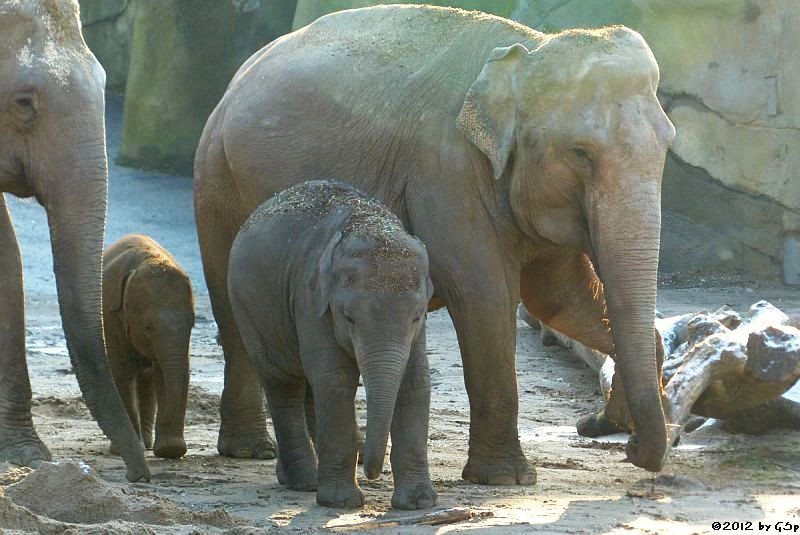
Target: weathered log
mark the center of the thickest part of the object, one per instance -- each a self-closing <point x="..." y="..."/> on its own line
<point x="779" y="413"/>
<point x="438" y="518"/>
<point x="719" y="365"/>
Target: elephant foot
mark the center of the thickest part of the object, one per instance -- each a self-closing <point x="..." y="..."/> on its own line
<point x="597" y="425"/>
<point x="341" y="495"/>
<point x="415" y="496"/>
<point x="113" y="449"/>
<point x="22" y="448"/>
<point x="169" y="448"/>
<point x="299" y="476"/>
<point x="147" y="439"/>
<point x="498" y="469"/>
<point x="256" y="446"/>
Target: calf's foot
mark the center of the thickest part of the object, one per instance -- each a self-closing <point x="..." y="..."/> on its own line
<point x="414" y="496"/>
<point x="299" y="475"/>
<point x="256" y="445"/>
<point x="340" y="494"/>
<point x="169" y="447"/>
<point x="505" y="465"/>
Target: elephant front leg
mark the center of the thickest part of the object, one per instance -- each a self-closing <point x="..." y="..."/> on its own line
<point x="486" y="329"/>
<point x="297" y="462"/>
<point x="409" y="456"/>
<point x="334" y="386"/>
<point x="19" y="442"/>
<point x="615" y="416"/>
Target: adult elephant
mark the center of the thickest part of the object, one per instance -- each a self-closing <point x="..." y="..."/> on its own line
<point x="507" y="151"/>
<point x="52" y="147"/>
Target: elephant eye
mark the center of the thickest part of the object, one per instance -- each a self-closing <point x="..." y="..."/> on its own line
<point x="581" y="155"/>
<point x="348" y="318"/>
<point x="26" y="105"/>
<point x="417" y="319"/>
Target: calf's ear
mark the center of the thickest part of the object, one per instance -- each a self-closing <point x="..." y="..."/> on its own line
<point x="336" y="222"/>
<point x="325" y="275"/>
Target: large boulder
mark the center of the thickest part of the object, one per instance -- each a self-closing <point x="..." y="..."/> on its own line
<point x="107" y="26"/>
<point x="730" y="82"/>
<point x="184" y="53"/>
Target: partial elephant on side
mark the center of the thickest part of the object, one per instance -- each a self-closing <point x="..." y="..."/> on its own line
<point x="53" y="148"/>
<point x="525" y="161"/>
<point x="326" y="284"/>
<point x="149" y="314"/>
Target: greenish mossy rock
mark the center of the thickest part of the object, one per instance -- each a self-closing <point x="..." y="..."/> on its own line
<point x="107" y="29"/>
<point x="184" y="54"/>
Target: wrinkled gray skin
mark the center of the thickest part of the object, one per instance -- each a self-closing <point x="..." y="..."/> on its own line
<point x="52" y="147"/>
<point x="149" y="314"/>
<point x="315" y="305"/>
<point x="514" y="155"/>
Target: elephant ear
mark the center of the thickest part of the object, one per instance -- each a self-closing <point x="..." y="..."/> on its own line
<point x="335" y="222"/>
<point x="117" y="271"/>
<point x="487" y="116"/>
<point x="116" y="290"/>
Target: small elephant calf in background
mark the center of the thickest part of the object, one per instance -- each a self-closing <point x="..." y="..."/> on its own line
<point x="148" y="310"/>
<point x="325" y="284"/>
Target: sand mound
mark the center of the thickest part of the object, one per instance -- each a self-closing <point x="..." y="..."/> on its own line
<point x="53" y="407"/>
<point x="73" y="493"/>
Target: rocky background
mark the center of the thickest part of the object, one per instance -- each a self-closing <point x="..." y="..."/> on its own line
<point x="730" y="83"/>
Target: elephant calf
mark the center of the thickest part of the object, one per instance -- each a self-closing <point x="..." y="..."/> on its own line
<point x="325" y="284"/>
<point x="149" y="314"/>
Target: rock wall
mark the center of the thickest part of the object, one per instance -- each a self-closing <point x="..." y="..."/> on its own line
<point x="184" y="53"/>
<point x="107" y="28"/>
<point x="730" y="82"/>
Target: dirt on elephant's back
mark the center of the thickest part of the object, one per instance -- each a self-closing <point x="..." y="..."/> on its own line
<point x="584" y="485"/>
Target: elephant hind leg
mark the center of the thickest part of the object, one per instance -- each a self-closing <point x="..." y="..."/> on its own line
<point x="243" y="428"/>
<point x="19" y="442"/>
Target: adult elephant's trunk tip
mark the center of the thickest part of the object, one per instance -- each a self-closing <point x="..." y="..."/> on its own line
<point x="625" y="238"/>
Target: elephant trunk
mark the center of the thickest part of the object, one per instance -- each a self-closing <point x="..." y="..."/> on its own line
<point x="382" y="368"/>
<point x="73" y="190"/>
<point x="625" y="239"/>
<point x="173" y="361"/>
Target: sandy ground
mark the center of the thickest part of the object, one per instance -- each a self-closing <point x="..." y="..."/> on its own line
<point x="584" y="486"/>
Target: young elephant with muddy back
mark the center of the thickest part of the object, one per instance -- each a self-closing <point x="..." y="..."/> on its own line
<point x="325" y="284"/>
<point x="530" y="165"/>
<point x="149" y="315"/>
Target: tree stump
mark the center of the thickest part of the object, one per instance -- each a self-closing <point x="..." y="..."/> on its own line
<point x="721" y="365"/>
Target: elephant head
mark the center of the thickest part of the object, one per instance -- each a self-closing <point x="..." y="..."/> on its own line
<point x="156" y="306"/>
<point x="575" y="129"/>
<point x="377" y="294"/>
<point x="52" y="147"/>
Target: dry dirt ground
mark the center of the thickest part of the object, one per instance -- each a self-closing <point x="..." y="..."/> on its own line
<point x="584" y="486"/>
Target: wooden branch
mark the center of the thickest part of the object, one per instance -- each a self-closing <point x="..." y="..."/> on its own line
<point x="716" y="365"/>
<point x="447" y="516"/>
